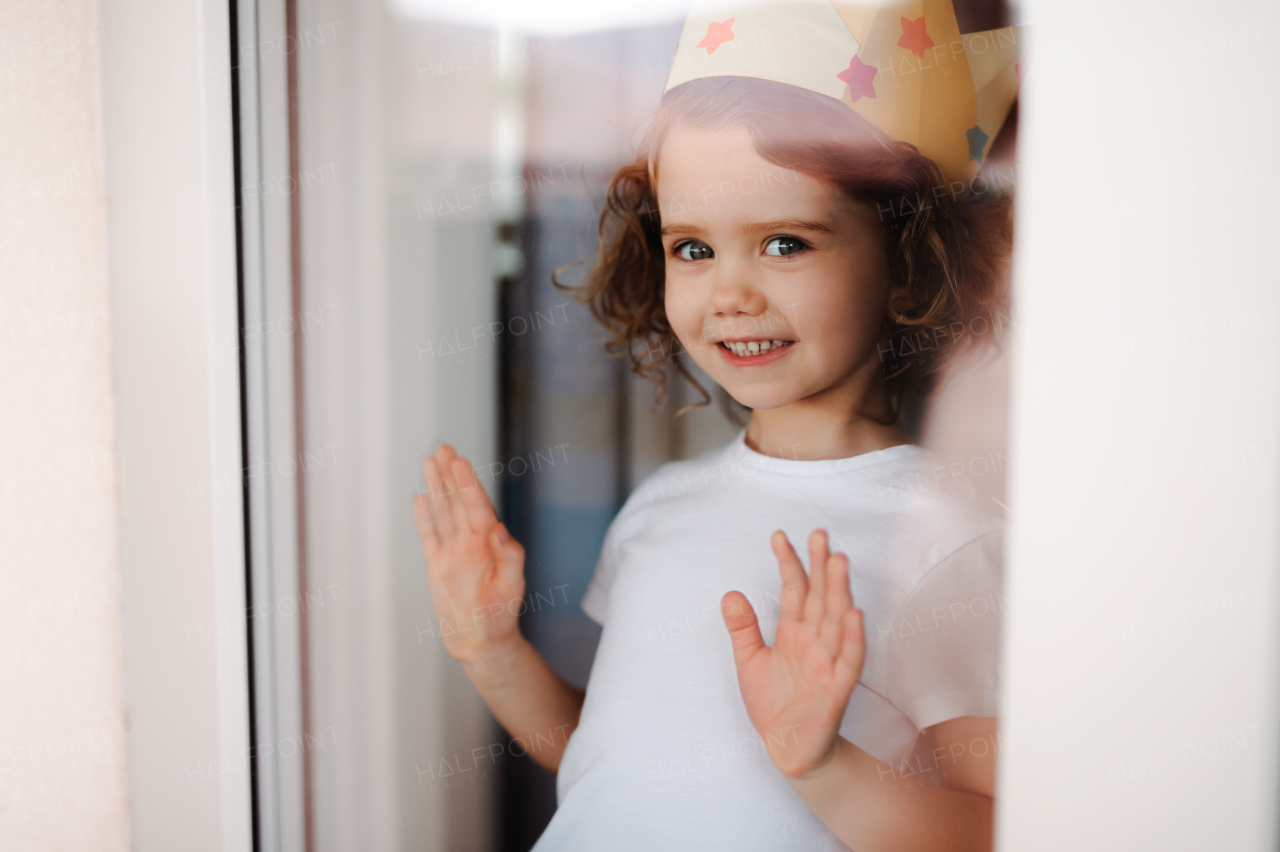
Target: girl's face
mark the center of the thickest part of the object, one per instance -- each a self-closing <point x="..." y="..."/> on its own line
<point x="776" y="282"/>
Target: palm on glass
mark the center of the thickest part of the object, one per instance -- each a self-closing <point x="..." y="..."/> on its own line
<point x="796" y="691"/>
<point x="475" y="570"/>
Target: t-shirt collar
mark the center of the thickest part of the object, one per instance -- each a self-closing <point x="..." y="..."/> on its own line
<point x="741" y="453"/>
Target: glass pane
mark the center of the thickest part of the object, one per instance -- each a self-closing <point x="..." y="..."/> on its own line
<point x="456" y="160"/>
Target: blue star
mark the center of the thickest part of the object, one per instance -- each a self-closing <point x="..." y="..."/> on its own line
<point x="977" y="141"/>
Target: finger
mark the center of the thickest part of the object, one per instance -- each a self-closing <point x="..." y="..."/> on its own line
<point x="816" y="603"/>
<point x="840" y="598"/>
<point x="838" y="602"/>
<point x="795" y="585"/>
<point x="426" y="527"/>
<point x="480" y="514"/>
<point x="510" y="555"/>
<point x="853" y="650"/>
<point x="453" y="492"/>
<point x="744" y="627"/>
<point x="445" y="454"/>
<point x="439" y="503"/>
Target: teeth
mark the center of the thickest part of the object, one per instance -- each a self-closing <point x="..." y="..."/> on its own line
<point x="753" y="347"/>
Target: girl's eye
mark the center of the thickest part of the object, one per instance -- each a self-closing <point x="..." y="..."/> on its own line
<point x="694" y="250"/>
<point x="782" y="246"/>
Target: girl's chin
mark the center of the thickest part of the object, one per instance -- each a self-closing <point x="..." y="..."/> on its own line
<point x="758" y="399"/>
<point x="760" y="396"/>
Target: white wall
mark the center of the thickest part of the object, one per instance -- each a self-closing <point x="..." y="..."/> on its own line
<point x="1141" y="667"/>
<point x="166" y="90"/>
<point x="62" y="751"/>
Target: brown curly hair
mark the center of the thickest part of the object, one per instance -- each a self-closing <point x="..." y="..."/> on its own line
<point x="947" y="243"/>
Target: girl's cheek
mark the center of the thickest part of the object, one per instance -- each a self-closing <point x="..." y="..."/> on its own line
<point x="682" y="312"/>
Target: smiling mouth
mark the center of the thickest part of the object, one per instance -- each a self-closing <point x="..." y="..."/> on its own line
<point x="753" y="348"/>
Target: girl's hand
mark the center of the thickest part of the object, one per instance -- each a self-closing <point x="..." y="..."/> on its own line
<point x="796" y="691"/>
<point x="475" y="570"/>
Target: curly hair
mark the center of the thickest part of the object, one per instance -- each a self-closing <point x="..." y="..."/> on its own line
<point x="946" y="244"/>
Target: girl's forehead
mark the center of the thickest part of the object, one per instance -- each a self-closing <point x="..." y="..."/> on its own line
<point x="689" y="152"/>
<point x="719" y="176"/>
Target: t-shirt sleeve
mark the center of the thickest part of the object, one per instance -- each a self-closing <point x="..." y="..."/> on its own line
<point x="596" y="600"/>
<point x="944" y="660"/>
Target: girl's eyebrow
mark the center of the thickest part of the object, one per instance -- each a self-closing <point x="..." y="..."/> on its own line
<point x="787" y="225"/>
<point x="753" y="228"/>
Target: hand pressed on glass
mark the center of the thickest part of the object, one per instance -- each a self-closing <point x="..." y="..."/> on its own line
<point x="797" y="689"/>
<point x="475" y="570"/>
<point x="475" y="573"/>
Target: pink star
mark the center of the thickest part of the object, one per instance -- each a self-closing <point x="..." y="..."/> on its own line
<point x="859" y="76"/>
<point x="914" y="38"/>
<point x="717" y="34"/>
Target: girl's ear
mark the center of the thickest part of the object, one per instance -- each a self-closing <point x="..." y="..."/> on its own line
<point x="900" y="302"/>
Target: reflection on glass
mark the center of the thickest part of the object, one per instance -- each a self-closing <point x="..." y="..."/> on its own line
<point x="807" y="264"/>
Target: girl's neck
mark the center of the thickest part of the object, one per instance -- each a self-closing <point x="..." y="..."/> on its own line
<point x="830" y="425"/>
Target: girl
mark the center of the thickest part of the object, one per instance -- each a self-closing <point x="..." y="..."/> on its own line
<point x="763" y="232"/>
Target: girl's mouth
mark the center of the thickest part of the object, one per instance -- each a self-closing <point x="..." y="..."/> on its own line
<point x="753" y="352"/>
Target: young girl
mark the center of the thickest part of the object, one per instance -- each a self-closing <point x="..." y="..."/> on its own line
<point x="736" y="700"/>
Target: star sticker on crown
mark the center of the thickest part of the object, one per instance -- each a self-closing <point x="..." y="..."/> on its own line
<point x="717" y="34"/>
<point x="858" y="76"/>
<point x="914" y="38"/>
<point x="977" y="141"/>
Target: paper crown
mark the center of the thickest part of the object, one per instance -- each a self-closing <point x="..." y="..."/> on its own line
<point x="903" y="66"/>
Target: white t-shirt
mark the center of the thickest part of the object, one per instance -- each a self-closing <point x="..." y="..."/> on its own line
<point x="664" y="756"/>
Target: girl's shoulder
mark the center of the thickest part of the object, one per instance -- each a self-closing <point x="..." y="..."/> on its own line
<point x="937" y="508"/>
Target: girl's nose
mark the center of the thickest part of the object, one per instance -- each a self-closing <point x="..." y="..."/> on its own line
<point x="736" y="295"/>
